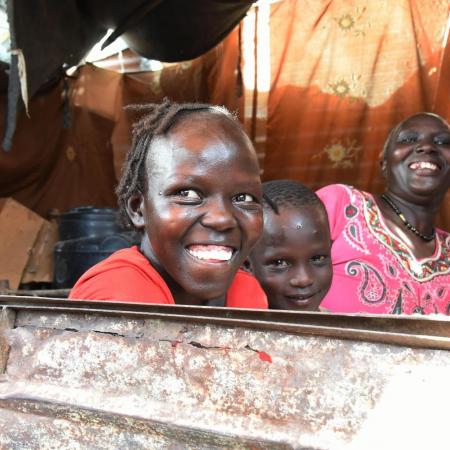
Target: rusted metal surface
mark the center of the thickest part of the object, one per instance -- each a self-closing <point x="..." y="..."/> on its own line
<point x="7" y="318"/>
<point x="89" y="375"/>
<point x="412" y="331"/>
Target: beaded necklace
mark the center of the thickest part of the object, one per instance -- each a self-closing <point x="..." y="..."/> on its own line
<point x="410" y="226"/>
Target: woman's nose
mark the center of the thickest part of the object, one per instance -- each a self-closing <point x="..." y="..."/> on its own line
<point x="302" y="278"/>
<point x="425" y="146"/>
<point x="219" y="216"/>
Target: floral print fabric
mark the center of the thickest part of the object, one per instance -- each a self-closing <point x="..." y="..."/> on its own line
<point x="373" y="270"/>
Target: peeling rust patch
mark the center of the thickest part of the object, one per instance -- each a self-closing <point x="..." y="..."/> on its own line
<point x="4" y="353"/>
<point x="62" y="426"/>
<point x="7" y="319"/>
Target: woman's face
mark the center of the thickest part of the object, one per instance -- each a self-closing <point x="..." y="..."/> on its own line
<point x="201" y="210"/>
<point x="417" y="162"/>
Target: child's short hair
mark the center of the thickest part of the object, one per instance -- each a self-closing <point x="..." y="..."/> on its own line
<point x="287" y="193"/>
<point x="157" y="120"/>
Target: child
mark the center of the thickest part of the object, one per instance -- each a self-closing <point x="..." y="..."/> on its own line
<point x="191" y="185"/>
<point x="292" y="259"/>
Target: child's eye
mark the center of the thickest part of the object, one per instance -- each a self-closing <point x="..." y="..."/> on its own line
<point x="279" y="263"/>
<point x="188" y="194"/>
<point x="244" y="198"/>
<point x="319" y="259"/>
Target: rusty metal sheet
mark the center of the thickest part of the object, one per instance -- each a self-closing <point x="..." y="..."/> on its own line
<point x="153" y="379"/>
<point x="40" y="425"/>
<point x="413" y="331"/>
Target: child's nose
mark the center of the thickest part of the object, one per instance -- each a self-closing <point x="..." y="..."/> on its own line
<point x="302" y="278"/>
<point x="219" y="216"/>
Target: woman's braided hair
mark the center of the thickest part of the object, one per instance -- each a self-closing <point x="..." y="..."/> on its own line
<point x="157" y="120"/>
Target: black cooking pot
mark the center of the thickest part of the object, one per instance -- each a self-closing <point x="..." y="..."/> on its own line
<point x="88" y="221"/>
<point x="74" y="256"/>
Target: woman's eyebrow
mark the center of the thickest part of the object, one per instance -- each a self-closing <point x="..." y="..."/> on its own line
<point x="409" y="130"/>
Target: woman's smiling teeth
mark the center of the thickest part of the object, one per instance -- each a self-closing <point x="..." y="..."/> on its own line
<point x="423" y="165"/>
<point x="211" y="253"/>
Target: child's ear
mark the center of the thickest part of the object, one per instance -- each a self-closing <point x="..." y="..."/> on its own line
<point x="135" y="210"/>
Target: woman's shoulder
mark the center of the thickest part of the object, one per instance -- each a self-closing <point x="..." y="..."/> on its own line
<point x="444" y="234"/>
<point x="338" y="191"/>
<point x="126" y="275"/>
<point x="246" y="292"/>
<point x="342" y="203"/>
<point x="339" y="197"/>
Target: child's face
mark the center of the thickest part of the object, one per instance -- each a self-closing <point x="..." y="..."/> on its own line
<point x="202" y="208"/>
<point x="292" y="259"/>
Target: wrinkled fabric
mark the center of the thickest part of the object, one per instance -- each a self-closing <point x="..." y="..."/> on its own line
<point x="50" y="166"/>
<point x="343" y="73"/>
<point x="340" y="75"/>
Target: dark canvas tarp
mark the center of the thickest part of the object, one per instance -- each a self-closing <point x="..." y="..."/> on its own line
<point x="45" y="34"/>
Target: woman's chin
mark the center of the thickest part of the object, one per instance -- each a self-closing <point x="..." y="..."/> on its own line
<point x="429" y="192"/>
<point x="207" y="292"/>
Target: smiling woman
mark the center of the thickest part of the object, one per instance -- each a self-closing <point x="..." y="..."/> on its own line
<point x="197" y="227"/>
<point x="388" y="256"/>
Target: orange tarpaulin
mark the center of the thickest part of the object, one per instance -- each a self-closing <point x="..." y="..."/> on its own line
<point x="342" y="74"/>
<point x="323" y="82"/>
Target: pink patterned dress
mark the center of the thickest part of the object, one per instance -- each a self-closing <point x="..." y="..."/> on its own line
<point x="373" y="270"/>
